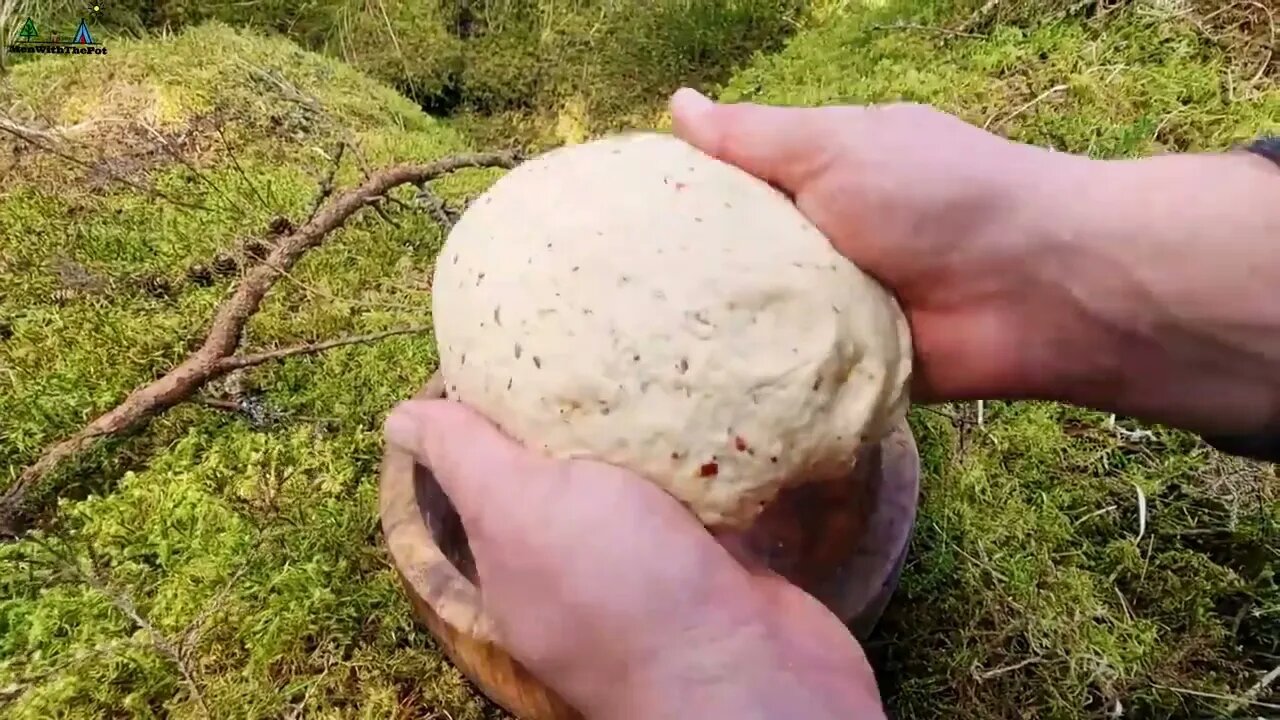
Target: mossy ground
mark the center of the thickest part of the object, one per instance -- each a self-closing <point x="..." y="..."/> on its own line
<point x="98" y="295"/>
<point x="251" y="549"/>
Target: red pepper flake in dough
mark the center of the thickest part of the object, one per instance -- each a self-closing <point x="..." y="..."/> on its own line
<point x="708" y="469"/>
<point x="739" y="443"/>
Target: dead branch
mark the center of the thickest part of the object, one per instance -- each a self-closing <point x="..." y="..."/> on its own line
<point x="162" y="645"/>
<point x="250" y="410"/>
<point x="326" y="185"/>
<point x="24" y="132"/>
<point x="236" y="362"/>
<point x="235" y="162"/>
<point x="48" y="142"/>
<point x="180" y="158"/>
<point x="927" y="29"/>
<point x="1024" y="107"/>
<point x="376" y="205"/>
<point x="435" y="205"/>
<point x="191" y="636"/>
<point x="215" y="356"/>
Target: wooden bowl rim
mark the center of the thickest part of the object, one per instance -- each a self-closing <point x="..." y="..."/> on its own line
<point x="431" y="576"/>
<point x="414" y="550"/>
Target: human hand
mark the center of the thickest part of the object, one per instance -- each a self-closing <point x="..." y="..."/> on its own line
<point x="611" y="593"/>
<point x="935" y="209"/>
<point x="1143" y="287"/>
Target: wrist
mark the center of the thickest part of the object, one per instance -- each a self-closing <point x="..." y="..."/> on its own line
<point x="761" y="659"/>
<point x="1160" y="310"/>
<point x="1035" y="254"/>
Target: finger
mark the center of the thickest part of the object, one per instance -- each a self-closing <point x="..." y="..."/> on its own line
<point x="474" y="462"/>
<point x="787" y="147"/>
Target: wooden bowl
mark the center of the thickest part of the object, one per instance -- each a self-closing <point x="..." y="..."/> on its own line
<point x="843" y="542"/>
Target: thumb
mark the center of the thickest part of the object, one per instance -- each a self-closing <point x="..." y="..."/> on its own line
<point x="476" y="465"/>
<point x="785" y="146"/>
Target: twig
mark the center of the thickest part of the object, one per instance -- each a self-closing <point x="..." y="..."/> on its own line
<point x="1216" y="696"/>
<point x="1142" y="513"/>
<point x="1035" y="101"/>
<point x="1123" y="603"/>
<point x="382" y="8"/>
<point x="399" y="203"/>
<point x="125" y="605"/>
<point x="435" y="205"/>
<point x="987" y="675"/>
<point x="1270" y="46"/>
<point x="235" y="162"/>
<point x="196" y="627"/>
<point x="296" y="711"/>
<point x="190" y="166"/>
<point x="927" y="28"/>
<point x="1253" y="692"/>
<point x="326" y="185"/>
<point x="312" y="290"/>
<point x="376" y="205"/>
<point x="25" y="134"/>
<point x="236" y="362"/>
<point x="242" y="407"/>
<point x="981" y="14"/>
<point x="286" y="88"/>
<point x="209" y="361"/>
<point x="1094" y="514"/>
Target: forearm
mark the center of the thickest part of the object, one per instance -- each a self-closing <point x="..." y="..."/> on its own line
<point x="1168" y="271"/>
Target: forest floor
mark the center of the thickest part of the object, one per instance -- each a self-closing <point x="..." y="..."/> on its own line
<point x="224" y="559"/>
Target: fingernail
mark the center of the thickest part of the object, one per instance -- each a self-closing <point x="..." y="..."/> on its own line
<point x="693" y="101"/>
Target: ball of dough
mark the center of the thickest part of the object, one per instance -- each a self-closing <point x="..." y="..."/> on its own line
<point x="636" y="301"/>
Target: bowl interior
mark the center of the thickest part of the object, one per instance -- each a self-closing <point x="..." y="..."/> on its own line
<point x="443" y="523"/>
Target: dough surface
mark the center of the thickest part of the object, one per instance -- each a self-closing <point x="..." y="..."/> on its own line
<point x="636" y="301"/>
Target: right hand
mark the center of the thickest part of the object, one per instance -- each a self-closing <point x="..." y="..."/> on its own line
<point x="613" y="594"/>
<point x="935" y="209"/>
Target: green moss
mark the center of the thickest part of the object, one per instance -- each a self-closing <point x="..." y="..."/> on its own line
<point x="1133" y="86"/>
<point x="173" y="79"/>
<point x="254" y="543"/>
<point x="79" y="342"/>
<point x="1029" y="591"/>
<point x="259" y="550"/>
<point x="510" y="65"/>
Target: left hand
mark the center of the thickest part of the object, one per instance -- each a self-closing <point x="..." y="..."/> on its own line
<point x="614" y="595"/>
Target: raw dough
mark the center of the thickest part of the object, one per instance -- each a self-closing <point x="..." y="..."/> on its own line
<point x="636" y="301"/>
